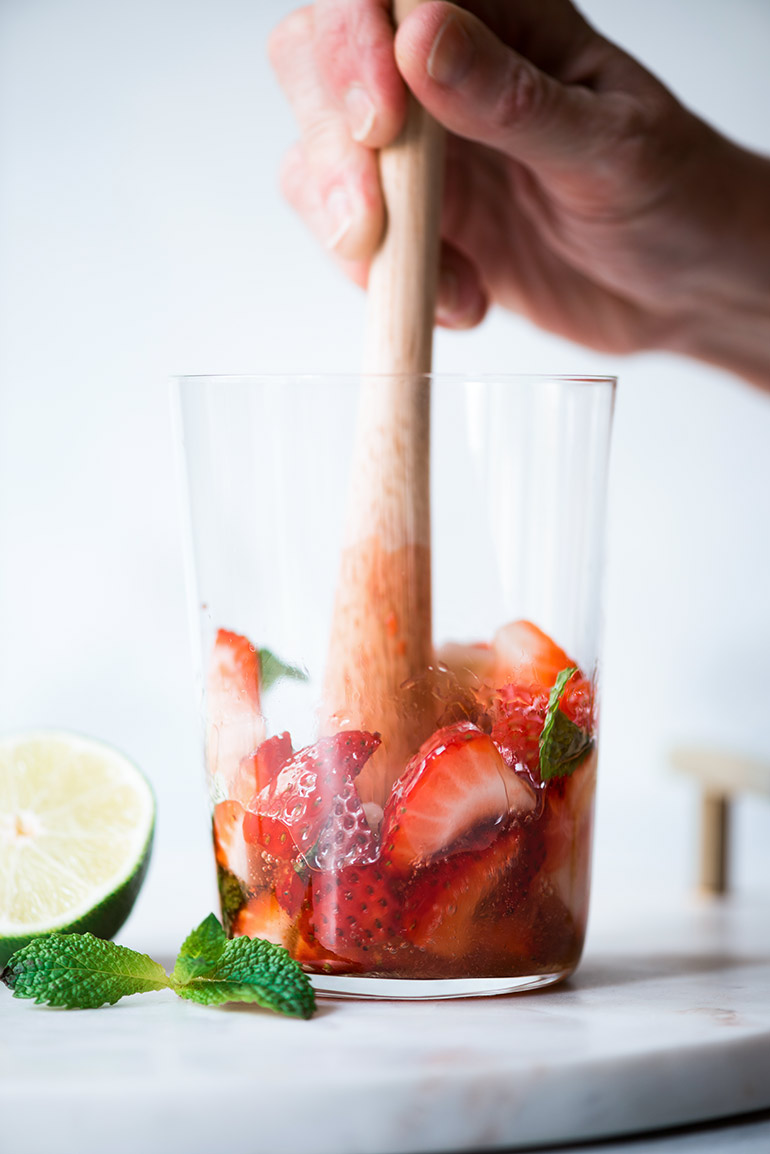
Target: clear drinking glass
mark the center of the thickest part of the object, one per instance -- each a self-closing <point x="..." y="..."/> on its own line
<point x="417" y="824"/>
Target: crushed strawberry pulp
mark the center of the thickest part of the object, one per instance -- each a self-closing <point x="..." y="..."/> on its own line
<point x="477" y="863"/>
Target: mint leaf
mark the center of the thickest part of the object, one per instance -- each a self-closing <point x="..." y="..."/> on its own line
<point x="79" y="971"/>
<point x="272" y="669"/>
<point x="200" y="950"/>
<point x="253" y="970"/>
<point x="563" y="745"/>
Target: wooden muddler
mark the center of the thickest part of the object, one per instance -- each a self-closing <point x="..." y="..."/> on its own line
<point x="381" y="651"/>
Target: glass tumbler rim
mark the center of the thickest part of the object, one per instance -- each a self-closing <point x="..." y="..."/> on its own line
<point x="605" y="379"/>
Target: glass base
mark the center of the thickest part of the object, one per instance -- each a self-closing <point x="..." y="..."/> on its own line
<point x="415" y="989"/>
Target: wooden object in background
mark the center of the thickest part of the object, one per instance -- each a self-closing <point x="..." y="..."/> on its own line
<point x="721" y="776"/>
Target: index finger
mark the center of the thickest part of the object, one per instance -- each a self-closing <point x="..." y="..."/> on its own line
<point x="354" y="47"/>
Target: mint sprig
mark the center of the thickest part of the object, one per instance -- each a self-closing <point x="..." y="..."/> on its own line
<point x="80" y="971"/>
<point x="272" y="669"/>
<point x="563" y="745"/>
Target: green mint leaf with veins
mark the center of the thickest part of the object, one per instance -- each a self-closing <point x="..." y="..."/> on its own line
<point x="272" y="669"/>
<point x="200" y="951"/>
<point x="563" y="745"/>
<point x="253" y="970"/>
<point x="79" y="971"/>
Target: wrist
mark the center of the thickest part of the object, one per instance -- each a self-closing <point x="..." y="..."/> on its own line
<point x="726" y="320"/>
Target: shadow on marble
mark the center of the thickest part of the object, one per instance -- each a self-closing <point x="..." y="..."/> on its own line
<point x="624" y="969"/>
<point x="730" y="1135"/>
<point x="322" y="1010"/>
<point x="595" y="973"/>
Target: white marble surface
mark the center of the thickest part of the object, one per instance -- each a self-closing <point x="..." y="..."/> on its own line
<point x="666" y="1023"/>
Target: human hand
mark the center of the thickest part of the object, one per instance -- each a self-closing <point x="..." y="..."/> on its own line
<point x="578" y="191"/>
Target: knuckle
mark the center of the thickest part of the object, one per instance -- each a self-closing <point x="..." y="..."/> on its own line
<point x="626" y="140"/>
<point x="296" y="28"/>
<point x="344" y="37"/>
<point x="520" y="99"/>
<point x="636" y="148"/>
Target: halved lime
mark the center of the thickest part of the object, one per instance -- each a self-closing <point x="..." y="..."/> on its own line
<point x="76" y="826"/>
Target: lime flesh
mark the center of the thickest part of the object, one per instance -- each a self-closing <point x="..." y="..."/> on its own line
<point x="76" y="827"/>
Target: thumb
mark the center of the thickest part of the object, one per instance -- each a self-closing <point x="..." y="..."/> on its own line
<point x="480" y="89"/>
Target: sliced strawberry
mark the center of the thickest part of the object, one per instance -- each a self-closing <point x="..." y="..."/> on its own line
<point x="356" y="912"/>
<point x="546" y="932"/>
<point x="234" y="723"/>
<point x="536" y="934"/>
<point x="311" y="955"/>
<point x="261" y="767"/>
<point x="528" y="656"/>
<point x="235" y="666"/>
<point x="578" y="703"/>
<point x="264" y="917"/>
<point x="290" y="885"/>
<point x="269" y="833"/>
<point x="347" y="838"/>
<point x="521" y="652"/>
<point x="518" y="717"/>
<point x="289" y="814"/>
<point x="441" y="903"/>
<point x="452" y="796"/>
<point x="516" y="880"/>
<point x="523" y="656"/>
<point x="232" y="852"/>
<point x="270" y="758"/>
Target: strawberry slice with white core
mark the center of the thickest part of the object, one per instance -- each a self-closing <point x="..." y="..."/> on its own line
<point x="234" y="722"/>
<point x="454" y="795"/>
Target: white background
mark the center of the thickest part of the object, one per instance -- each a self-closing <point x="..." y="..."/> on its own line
<point x="142" y="235"/>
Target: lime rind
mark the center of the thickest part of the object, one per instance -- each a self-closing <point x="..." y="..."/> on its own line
<point x="101" y="907"/>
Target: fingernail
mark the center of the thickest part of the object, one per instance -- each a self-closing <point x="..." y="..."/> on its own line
<point x="361" y="112"/>
<point x="459" y="305"/>
<point x="451" y="54"/>
<point x="339" y="215"/>
<point x="448" y="297"/>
